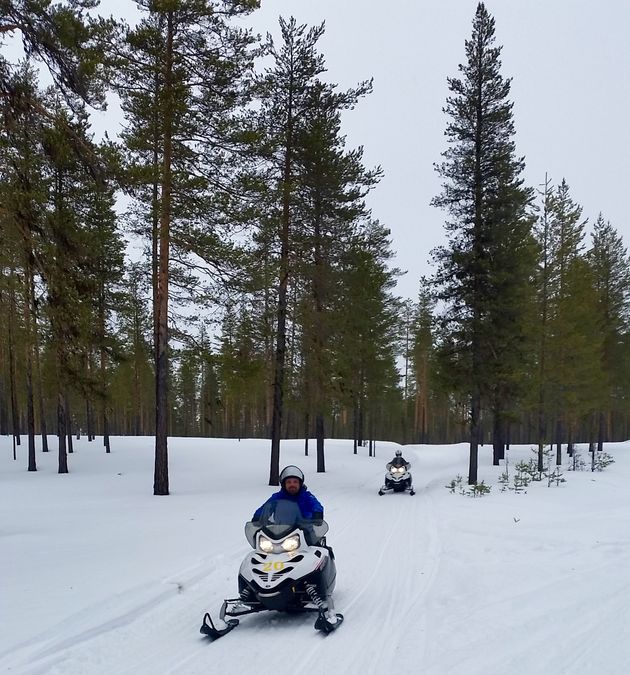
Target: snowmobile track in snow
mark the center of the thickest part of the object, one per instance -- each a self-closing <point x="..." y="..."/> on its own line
<point x="404" y="570"/>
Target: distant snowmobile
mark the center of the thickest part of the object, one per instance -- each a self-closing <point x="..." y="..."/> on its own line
<point x="291" y="570"/>
<point x="398" y="477"/>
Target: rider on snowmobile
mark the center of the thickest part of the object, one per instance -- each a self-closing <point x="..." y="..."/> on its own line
<point x="287" y="534"/>
<point x="293" y="489"/>
<point x="398" y="460"/>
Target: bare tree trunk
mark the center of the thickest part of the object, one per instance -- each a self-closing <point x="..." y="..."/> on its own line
<point x="40" y="389"/>
<point x="4" y="411"/>
<point x="28" y="323"/>
<point x="15" y="417"/>
<point x="68" y="424"/>
<point x="497" y="438"/>
<point x="278" y="379"/>
<point x="104" y="373"/>
<point x="137" y="415"/>
<point x="61" y="426"/>
<point x="475" y="411"/>
<point x="600" y="432"/>
<point x="160" y="478"/>
<point x="88" y="419"/>
<point x="360" y="435"/>
<point x="558" y="443"/>
<point x="319" y="434"/>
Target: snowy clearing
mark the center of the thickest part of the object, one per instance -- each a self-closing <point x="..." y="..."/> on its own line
<point x="100" y="576"/>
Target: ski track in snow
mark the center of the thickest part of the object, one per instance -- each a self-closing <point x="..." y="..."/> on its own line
<point x="412" y="544"/>
<point x="51" y="657"/>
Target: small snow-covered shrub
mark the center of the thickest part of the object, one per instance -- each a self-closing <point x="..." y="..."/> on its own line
<point x="601" y="460"/>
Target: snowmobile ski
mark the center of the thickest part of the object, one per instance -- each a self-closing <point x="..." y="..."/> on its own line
<point x="324" y="624"/>
<point x="208" y="628"/>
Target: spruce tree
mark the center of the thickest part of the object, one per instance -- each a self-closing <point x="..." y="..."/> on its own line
<point x="609" y="261"/>
<point x="540" y="377"/>
<point x="422" y="352"/>
<point x="566" y="231"/>
<point x="488" y="227"/>
<point x="132" y="381"/>
<point x="365" y="341"/>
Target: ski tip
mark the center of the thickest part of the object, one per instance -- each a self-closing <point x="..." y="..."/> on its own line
<point x="326" y="626"/>
<point x="211" y="631"/>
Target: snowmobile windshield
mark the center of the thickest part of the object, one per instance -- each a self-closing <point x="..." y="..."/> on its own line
<point x="279" y="518"/>
<point x="398" y="461"/>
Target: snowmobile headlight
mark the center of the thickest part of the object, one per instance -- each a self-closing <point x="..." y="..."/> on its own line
<point x="265" y="545"/>
<point x="291" y="543"/>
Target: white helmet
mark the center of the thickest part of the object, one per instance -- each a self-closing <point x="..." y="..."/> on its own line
<point x="398" y="453"/>
<point x="291" y="471"/>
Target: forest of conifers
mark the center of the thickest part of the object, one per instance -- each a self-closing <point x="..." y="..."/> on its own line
<point x="213" y="269"/>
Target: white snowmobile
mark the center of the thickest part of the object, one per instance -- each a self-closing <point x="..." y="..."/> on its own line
<point x="291" y="570"/>
<point x="398" y="477"/>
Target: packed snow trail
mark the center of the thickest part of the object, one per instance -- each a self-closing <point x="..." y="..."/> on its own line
<point x="433" y="583"/>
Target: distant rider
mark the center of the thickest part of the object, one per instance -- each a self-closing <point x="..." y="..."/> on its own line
<point x="398" y="476"/>
<point x="398" y="460"/>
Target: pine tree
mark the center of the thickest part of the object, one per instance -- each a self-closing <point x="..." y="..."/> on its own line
<point x="182" y="81"/>
<point x="24" y="190"/>
<point x="284" y="96"/>
<point x="298" y="122"/>
<point x="365" y="342"/>
<point x="422" y="356"/>
<point x="332" y="183"/>
<point x="106" y="269"/>
<point x="565" y="250"/>
<point x="576" y="350"/>
<point x="65" y="37"/>
<point x="540" y="380"/>
<point x="608" y="258"/>
<point x="58" y="168"/>
<point x="489" y="226"/>
<point x="67" y="263"/>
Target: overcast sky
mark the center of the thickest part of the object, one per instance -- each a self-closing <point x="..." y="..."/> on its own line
<point x="570" y="64"/>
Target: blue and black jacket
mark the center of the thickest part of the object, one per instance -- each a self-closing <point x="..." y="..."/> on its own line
<point x="310" y="507"/>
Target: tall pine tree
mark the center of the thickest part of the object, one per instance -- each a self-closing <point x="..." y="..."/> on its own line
<point x="489" y="227"/>
<point x="182" y="83"/>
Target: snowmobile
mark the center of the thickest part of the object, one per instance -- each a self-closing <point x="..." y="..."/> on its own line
<point x="291" y="570"/>
<point x="398" y="477"/>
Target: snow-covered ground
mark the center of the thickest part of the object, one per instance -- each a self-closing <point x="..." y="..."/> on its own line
<point x="99" y="576"/>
